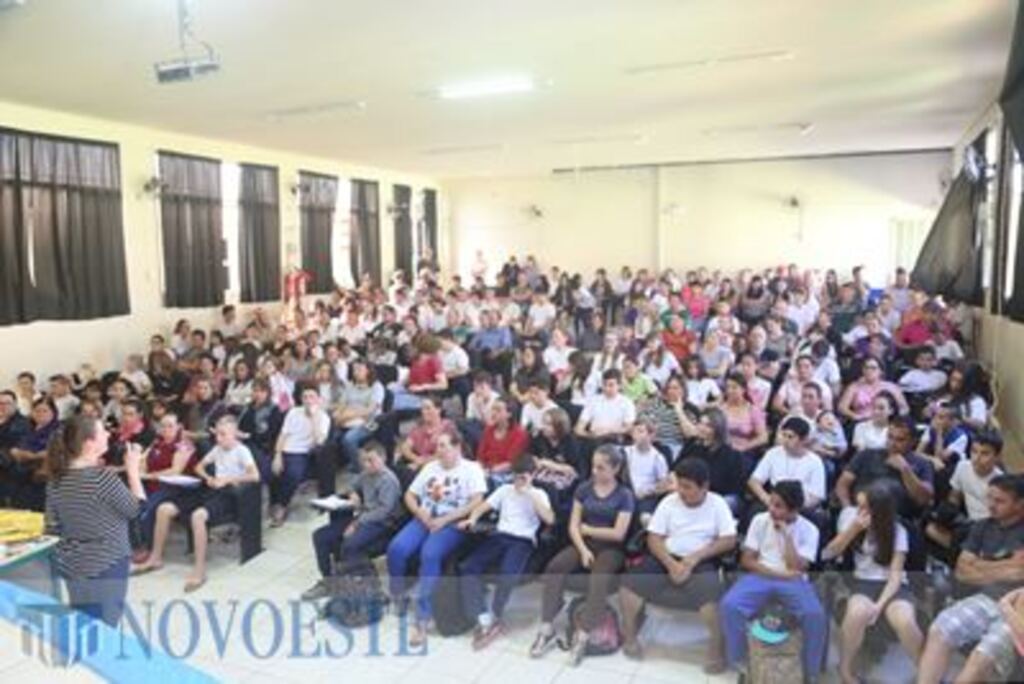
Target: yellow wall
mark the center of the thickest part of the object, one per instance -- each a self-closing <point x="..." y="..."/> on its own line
<point x="47" y="347"/>
<point x="873" y="210"/>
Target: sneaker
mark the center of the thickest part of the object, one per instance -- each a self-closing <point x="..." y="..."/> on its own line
<point x="578" y="650"/>
<point x="542" y="644"/>
<point x="315" y="592"/>
<point x="485" y="636"/>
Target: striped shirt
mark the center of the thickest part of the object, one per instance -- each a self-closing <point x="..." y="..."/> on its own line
<point x="89" y="509"/>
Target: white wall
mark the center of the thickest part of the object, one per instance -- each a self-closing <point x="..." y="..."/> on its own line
<point x="47" y="347"/>
<point x="873" y="210"/>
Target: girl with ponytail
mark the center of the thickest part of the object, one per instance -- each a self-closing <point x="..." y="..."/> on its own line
<point x="89" y="508"/>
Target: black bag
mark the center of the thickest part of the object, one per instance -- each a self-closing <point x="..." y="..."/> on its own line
<point x="356" y="596"/>
<point x="449" y="617"/>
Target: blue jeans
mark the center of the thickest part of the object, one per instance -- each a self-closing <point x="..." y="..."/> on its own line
<point x="350" y="442"/>
<point x="283" y="486"/>
<point x="749" y="595"/>
<point x="404" y="400"/>
<point x="330" y="540"/>
<point x="101" y="597"/>
<point x="511" y="553"/>
<point x="433" y="548"/>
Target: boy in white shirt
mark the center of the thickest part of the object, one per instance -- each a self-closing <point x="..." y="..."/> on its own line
<point x="779" y="547"/>
<point x="607" y="415"/>
<point x="924" y="378"/>
<point x="531" y="416"/>
<point x="647" y="469"/>
<point x="791" y="460"/>
<point x="522" y="508"/>
<point x="304" y="429"/>
<point x="968" y="493"/>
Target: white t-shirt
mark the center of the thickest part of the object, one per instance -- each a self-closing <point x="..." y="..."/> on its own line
<point x="557" y="360"/>
<point x="229" y="462"/>
<point x="661" y="373"/>
<point x="297" y="430"/>
<point x="763" y="538"/>
<point x="973" y="487"/>
<point x="517" y="515"/>
<point x="700" y="392"/>
<point x="646" y="469"/>
<point x="917" y="380"/>
<point x="608" y="415"/>
<point x="542" y="315"/>
<point x="687" y="529"/>
<point x="864" y="565"/>
<point x="454" y="360"/>
<point x="777" y="465"/>
<point x="442" y="491"/>
<point x="867" y="435"/>
<point x="828" y="372"/>
<point x="532" y="418"/>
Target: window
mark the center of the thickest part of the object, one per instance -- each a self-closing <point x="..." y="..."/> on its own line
<point x="427" y="243"/>
<point x="259" y="234"/>
<point x="365" y="231"/>
<point x="318" y="196"/>
<point x="191" y="219"/>
<point x="1013" y="292"/>
<point x="62" y="252"/>
<point x="401" y="214"/>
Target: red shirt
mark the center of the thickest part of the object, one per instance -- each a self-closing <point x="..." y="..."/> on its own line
<point x="425" y="370"/>
<point x="680" y="345"/>
<point x="161" y="457"/>
<point x="494" y="451"/>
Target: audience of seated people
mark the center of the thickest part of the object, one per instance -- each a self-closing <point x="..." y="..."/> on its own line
<point x="632" y="419"/>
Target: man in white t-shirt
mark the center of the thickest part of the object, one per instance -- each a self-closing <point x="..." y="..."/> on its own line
<point x="779" y="547"/>
<point x="540" y="317"/>
<point x="790" y="460"/>
<point x="522" y="508"/>
<point x="607" y="415"/>
<point x="305" y="428"/>
<point x="690" y="529"/>
<point x="531" y="416"/>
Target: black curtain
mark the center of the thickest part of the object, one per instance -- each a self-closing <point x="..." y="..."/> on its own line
<point x="401" y="199"/>
<point x="428" y="225"/>
<point x="318" y="198"/>
<point x="191" y="215"/>
<point x="62" y="250"/>
<point x="950" y="260"/>
<point x="365" y="231"/>
<point x="259" y="228"/>
<point x="1011" y="100"/>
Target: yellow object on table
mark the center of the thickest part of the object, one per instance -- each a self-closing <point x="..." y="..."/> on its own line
<point x="20" y="526"/>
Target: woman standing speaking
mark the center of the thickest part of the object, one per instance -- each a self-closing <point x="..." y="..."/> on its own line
<point x="89" y="508"/>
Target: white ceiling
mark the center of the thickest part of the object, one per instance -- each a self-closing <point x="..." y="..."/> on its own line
<point x="867" y="74"/>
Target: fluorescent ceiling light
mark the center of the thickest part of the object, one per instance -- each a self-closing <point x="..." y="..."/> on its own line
<point x="767" y="56"/>
<point x="635" y="138"/>
<point x="316" y="109"/>
<point x="499" y="86"/>
<point x="798" y="127"/>
<point x="463" y="149"/>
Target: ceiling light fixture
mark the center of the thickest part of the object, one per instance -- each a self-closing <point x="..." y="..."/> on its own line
<point x="473" y="89"/>
<point x="767" y="56"/>
<point x="463" y="149"/>
<point x="800" y="128"/>
<point x="635" y="138"/>
<point x="189" y="65"/>
<point x="316" y="109"/>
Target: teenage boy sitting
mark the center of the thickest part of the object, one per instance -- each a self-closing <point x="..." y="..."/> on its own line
<point x="992" y="561"/>
<point x="790" y="460"/>
<point x="531" y="416"/>
<point x="521" y="510"/>
<point x="968" y="492"/>
<point x="647" y="469"/>
<point x="376" y="498"/>
<point x="777" y="550"/>
<point x="688" y="531"/>
<point x="607" y="416"/>
<point x="233" y="465"/>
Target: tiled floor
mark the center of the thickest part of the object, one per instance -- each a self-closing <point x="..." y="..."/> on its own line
<point x="269" y="585"/>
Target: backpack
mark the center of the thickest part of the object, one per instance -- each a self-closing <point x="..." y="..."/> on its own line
<point x="356" y="597"/>
<point x="604" y="639"/>
<point x="449" y="617"/>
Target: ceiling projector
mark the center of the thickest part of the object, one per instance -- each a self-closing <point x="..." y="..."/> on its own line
<point x="185" y="68"/>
